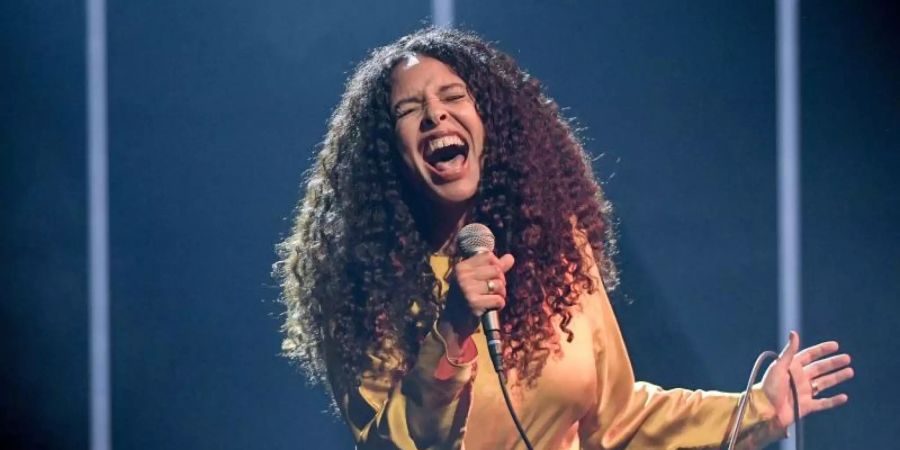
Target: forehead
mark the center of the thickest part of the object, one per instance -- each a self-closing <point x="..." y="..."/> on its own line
<point x="418" y="73"/>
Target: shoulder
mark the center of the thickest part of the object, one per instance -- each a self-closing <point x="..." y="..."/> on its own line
<point x="593" y="299"/>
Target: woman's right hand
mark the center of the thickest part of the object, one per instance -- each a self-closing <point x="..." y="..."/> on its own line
<point x="477" y="284"/>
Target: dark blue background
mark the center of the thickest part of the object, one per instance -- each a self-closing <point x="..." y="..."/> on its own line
<point x="216" y="106"/>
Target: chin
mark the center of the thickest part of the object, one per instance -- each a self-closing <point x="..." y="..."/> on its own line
<point x="455" y="195"/>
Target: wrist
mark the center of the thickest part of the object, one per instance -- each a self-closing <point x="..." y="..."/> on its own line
<point x="455" y="333"/>
<point x="457" y="318"/>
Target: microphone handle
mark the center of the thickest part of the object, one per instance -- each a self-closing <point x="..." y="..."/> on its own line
<point x="490" y="323"/>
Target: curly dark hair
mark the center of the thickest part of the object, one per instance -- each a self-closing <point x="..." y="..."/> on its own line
<point x="355" y="272"/>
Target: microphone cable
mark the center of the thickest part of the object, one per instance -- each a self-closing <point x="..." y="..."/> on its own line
<point x="509" y="406"/>
<point x="745" y="399"/>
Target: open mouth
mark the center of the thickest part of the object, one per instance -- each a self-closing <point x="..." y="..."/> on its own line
<point x="446" y="153"/>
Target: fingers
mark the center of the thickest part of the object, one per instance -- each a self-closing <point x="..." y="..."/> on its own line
<point x="817" y="351"/>
<point x="478" y="304"/>
<point x="483" y="266"/>
<point x="486" y="302"/>
<point x="484" y="279"/>
<point x="490" y="265"/>
<point x="826" y="365"/>
<point x="821" y="404"/>
<point x="482" y="282"/>
<point x="506" y="262"/>
<point x="496" y="286"/>
<point x="833" y="379"/>
<point x="824" y="374"/>
<point x="486" y="272"/>
<point x="787" y="355"/>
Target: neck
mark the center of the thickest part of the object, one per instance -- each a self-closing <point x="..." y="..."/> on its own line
<point x="444" y="236"/>
<point x="441" y="224"/>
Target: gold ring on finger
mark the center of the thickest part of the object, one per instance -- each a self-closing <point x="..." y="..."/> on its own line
<point x="491" y="286"/>
<point x="815" y="388"/>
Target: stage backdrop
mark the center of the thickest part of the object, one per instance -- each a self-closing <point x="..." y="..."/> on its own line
<point x="215" y="108"/>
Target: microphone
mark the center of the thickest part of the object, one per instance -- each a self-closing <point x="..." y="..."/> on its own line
<point x="471" y="240"/>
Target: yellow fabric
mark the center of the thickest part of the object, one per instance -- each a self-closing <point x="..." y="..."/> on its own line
<point x="586" y="398"/>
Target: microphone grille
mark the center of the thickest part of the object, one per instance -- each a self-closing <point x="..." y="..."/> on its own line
<point x="474" y="238"/>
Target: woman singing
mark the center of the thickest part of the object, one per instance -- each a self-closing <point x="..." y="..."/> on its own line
<point x="435" y="131"/>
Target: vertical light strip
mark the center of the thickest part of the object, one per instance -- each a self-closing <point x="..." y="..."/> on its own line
<point x="98" y="233"/>
<point x="442" y="13"/>
<point x="789" y="300"/>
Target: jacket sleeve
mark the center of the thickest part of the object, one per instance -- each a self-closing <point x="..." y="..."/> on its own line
<point x="425" y="409"/>
<point x="638" y="415"/>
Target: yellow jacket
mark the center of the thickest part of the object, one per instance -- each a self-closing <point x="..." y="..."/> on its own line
<point x="586" y="398"/>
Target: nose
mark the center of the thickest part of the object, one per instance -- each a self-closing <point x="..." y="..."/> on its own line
<point x="434" y="115"/>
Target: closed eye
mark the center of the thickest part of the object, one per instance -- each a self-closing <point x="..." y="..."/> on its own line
<point x="405" y="111"/>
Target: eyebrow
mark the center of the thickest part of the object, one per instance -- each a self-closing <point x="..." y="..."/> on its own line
<point x="442" y="89"/>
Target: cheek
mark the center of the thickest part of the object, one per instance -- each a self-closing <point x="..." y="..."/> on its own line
<point x="476" y="125"/>
<point x="478" y="134"/>
<point x="408" y="169"/>
<point x="406" y="146"/>
<point x="409" y="163"/>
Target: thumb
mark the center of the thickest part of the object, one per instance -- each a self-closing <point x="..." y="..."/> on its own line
<point x="506" y="262"/>
<point x="787" y="355"/>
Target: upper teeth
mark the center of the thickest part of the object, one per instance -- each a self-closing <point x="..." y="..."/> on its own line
<point x="444" y="141"/>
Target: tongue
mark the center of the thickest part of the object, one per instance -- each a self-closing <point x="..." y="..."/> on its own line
<point x="453" y="165"/>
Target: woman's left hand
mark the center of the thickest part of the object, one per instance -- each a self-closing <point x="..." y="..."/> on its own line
<point x="812" y="372"/>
